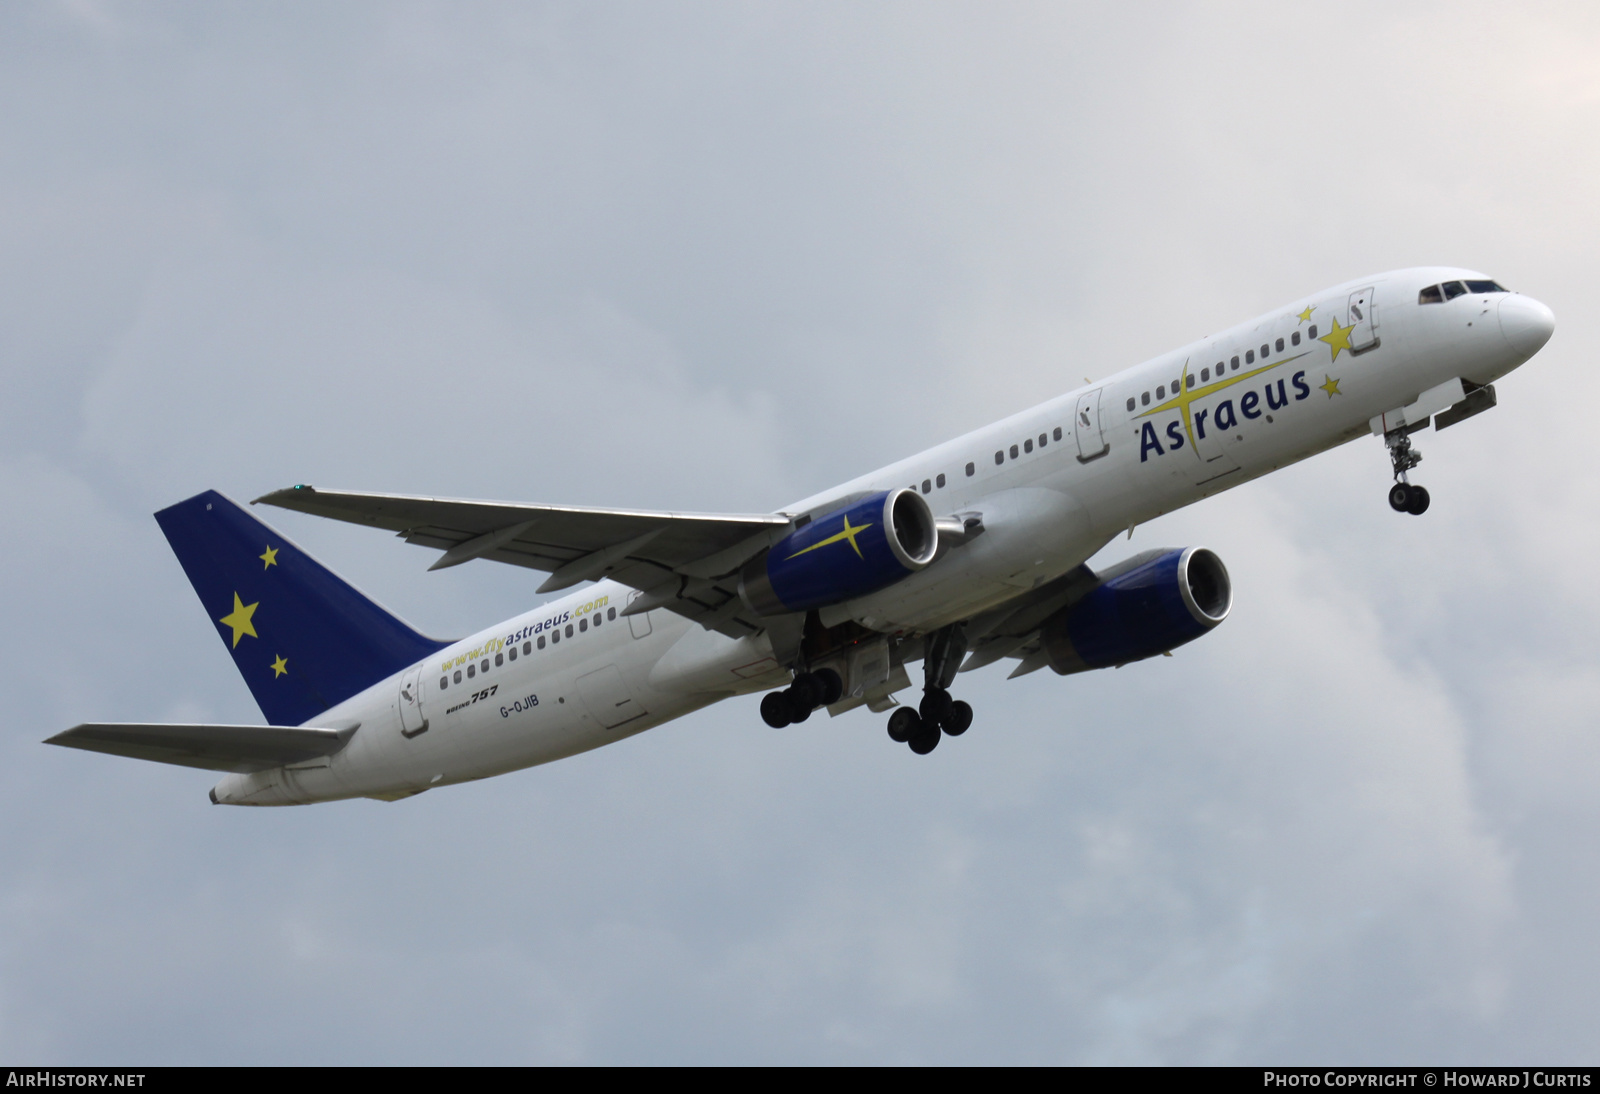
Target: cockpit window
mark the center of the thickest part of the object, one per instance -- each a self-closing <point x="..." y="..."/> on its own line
<point x="1453" y="289"/>
<point x="1483" y="286"/>
<point x="1430" y="295"/>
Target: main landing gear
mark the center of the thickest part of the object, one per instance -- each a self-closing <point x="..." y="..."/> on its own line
<point x="795" y="703"/>
<point x="937" y="714"/>
<point x="1403" y="496"/>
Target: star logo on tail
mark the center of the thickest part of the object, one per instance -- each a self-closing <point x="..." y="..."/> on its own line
<point x="240" y="619"/>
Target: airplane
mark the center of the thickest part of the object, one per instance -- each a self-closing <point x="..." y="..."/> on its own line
<point x="966" y="554"/>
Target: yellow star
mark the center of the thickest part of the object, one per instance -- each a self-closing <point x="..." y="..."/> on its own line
<point x="1305" y="316"/>
<point x="849" y="533"/>
<point x="270" y="558"/>
<point x="279" y="667"/>
<point x="1338" y="338"/>
<point x="239" y="620"/>
<point x="1332" y="385"/>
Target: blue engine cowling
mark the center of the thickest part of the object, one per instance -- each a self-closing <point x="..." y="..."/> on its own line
<point x="1147" y="605"/>
<point x="847" y="553"/>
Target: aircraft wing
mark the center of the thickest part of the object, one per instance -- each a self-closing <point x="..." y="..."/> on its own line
<point x="1012" y="629"/>
<point x="216" y="748"/>
<point x="686" y="562"/>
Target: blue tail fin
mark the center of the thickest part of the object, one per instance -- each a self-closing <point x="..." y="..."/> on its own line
<point x="302" y="638"/>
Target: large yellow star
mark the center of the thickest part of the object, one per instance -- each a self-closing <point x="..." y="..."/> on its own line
<point x="239" y="620"/>
<point x="1338" y="338"/>
<point x="279" y="667"/>
<point x="1305" y="316"/>
<point x="849" y="533"/>
<point x="1331" y="387"/>
<point x="270" y="558"/>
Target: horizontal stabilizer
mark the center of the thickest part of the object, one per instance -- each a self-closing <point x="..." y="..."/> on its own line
<point x="216" y="748"/>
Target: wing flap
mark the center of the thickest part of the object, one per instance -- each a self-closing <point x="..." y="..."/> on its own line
<point x="215" y="748"/>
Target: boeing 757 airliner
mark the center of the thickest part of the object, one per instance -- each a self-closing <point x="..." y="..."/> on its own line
<point x="966" y="554"/>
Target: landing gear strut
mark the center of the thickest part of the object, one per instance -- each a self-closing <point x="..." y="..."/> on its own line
<point x="937" y="714"/>
<point x="1403" y="496"/>
<point x="795" y="703"/>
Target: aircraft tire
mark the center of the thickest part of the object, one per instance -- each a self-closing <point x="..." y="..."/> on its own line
<point x="1418" y="503"/>
<point x="775" y="709"/>
<point x="959" y="718"/>
<point x="1400" y="498"/>
<point x="806" y="692"/>
<point x="935" y="706"/>
<point x="926" y="741"/>
<point x="904" y="725"/>
<point x="832" y="687"/>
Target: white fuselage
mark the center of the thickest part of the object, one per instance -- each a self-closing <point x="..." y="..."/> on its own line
<point x="1052" y="484"/>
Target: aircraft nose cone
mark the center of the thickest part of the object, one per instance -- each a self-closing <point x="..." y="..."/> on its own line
<point x="1526" y="323"/>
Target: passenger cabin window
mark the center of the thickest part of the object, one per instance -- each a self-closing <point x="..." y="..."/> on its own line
<point x="1265" y="349"/>
<point x="1041" y="440"/>
<point x="1278" y="345"/>
<point x="1027" y="445"/>
<point x="499" y="660"/>
<point x="939" y="482"/>
<point x="927" y="486"/>
<point x="1294" y="339"/>
<point x="458" y="676"/>
<point x="1057" y="433"/>
<point x="1205" y="374"/>
<point x="1453" y="289"/>
<point x="541" y="641"/>
<point x="1144" y="400"/>
<point x="971" y="470"/>
<point x="1234" y="363"/>
<point x="999" y="458"/>
<point x="527" y="647"/>
<point x="1249" y="356"/>
<point x="1161" y="391"/>
<point x="444" y="682"/>
<point x="569" y="630"/>
<point x="1013" y="451"/>
<point x="472" y="670"/>
<point x="1130" y="403"/>
<point x="611" y="613"/>
<point x="1313" y="332"/>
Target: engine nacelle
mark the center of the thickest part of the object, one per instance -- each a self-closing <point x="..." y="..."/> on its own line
<point x="850" y="552"/>
<point x="1147" y="605"/>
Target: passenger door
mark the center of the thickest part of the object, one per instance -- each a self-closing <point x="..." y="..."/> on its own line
<point x="411" y="720"/>
<point x="1362" y="317"/>
<point x="1086" y="425"/>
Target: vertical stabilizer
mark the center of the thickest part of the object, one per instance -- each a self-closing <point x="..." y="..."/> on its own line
<point x="302" y="637"/>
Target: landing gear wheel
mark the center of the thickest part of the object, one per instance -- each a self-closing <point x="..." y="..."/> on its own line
<point x="775" y="709"/>
<point x="806" y="692"/>
<point x="1400" y="497"/>
<point x="935" y="706"/>
<point x="926" y="741"/>
<point x="959" y="718"/>
<point x="831" y="686"/>
<point x="1418" y="504"/>
<point x="798" y="713"/>
<point x="904" y="725"/>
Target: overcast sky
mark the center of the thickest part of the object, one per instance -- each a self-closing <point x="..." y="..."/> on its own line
<point x="720" y="256"/>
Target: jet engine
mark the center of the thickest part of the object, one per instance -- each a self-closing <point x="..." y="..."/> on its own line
<point x="849" y="552"/>
<point x="1148" y="604"/>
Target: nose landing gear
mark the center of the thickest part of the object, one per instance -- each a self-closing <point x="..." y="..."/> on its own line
<point x="1403" y="496"/>
<point x="938" y="714"/>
